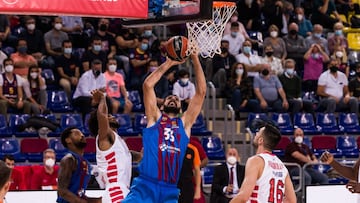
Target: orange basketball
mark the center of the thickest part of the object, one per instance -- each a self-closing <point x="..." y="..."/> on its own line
<point x="176" y="48"/>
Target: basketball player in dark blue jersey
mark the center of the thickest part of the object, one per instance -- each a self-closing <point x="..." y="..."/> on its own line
<point x="74" y="173"/>
<point x="165" y="139"/>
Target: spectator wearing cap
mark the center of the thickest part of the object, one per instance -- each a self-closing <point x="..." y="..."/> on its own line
<point x="89" y="81"/>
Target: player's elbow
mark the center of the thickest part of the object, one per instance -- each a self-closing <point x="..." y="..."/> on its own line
<point x="201" y="91"/>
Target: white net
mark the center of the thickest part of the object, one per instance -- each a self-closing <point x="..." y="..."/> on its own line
<point x="205" y="36"/>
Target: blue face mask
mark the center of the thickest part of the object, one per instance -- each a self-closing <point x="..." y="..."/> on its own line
<point x="97" y="47"/>
<point x="317" y="35"/>
<point x="22" y="49"/>
<point x="290" y="71"/>
<point x="144" y="46"/>
<point x="247" y="49"/>
<point x="147" y="33"/>
<point x="338" y="32"/>
<point x="234" y="34"/>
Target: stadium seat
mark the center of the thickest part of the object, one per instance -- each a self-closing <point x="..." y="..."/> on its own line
<point x="49" y="76"/>
<point x="347" y="146"/>
<point x="58" y="102"/>
<point x="59" y="149"/>
<point x="134" y="143"/>
<point x="134" y="97"/>
<point x="213" y="148"/>
<point x="253" y="116"/>
<point x="349" y="123"/>
<point x="326" y="123"/>
<point x="11" y="146"/>
<point x="354" y="41"/>
<point x="4" y="129"/>
<point x="140" y="122"/>
<point x="280" y="148"/>
<point x="208" y="174"/>
<point x="90" y="149"/>
<point x="71" y="120"/>
<point x="199" y="127"/>
<point x="33" y="148"/>
<point x="15" y="120"/>
<point x="284" y="123"/>
<point x="322" y="143"/>
<point x="305" y="121"/>
<point x="126" y="127"/>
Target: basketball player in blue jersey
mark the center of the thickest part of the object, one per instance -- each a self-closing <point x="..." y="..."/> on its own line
<point x="74" y="173"/>
<point x="165" y="139"/>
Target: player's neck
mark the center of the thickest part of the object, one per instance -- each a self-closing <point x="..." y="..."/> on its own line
<point x="261" y="150"/>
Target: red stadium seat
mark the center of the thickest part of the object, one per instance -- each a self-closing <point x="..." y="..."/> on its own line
<point x="134" y="143"/>
<point x="33" y="148"/>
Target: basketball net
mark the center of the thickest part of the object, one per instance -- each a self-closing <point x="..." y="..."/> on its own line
<point x="205" y="36"/>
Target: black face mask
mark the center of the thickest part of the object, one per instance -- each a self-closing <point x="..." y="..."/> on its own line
<point x="269" y="53"/>
<point x="265" y="72"/>
<point x="224" y="50"/>
<point x="358" y="74"/>
<point x="96" y="73"/>
<point x="292" y="32"/>
<point x="103" y="27"/>
<point x="334" y="69"/>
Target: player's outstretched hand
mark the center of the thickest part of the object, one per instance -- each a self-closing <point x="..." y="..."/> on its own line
<point x="327" y="158"/>
<point x="353" y="186"/>
<point x="97" y="95"/>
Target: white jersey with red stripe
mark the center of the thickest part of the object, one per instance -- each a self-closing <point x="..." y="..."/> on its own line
<point x="270" y="187"/>
<point x="115" y="166"/>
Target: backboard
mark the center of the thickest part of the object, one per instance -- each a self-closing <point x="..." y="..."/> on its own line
<point x="165" y="12"/>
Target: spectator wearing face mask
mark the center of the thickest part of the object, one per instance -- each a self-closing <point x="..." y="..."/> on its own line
<point x="314" y="60"/>
<point x="273" y="61"/>
<point x="235" y="38"/>
<point x="300" y="153"/>
<point x="338" y="39"/>
<point x="269" y="92"/>
<point x="22" y="60"/>
<point x="45" y="176"/>
<point x="95" y="53"/>
<point x="227" y="178"/>
<point x="184" y="88"/>
<point x="340" y="55"/>
<point x="291" y="83"/>
<point x="305" y="25"/>
<point x="108" y="44"/>
<point x="89" y="81"/>
<point x="250" y="14"/>
<point x="317" y="38"/>
<point x="277" y="43"/>
<point x="333" y="90"/>
<point x="139" y="58"/>
<point x="54" y="38"/>
<point x="242" y="96"/>
<point x="116" y="90"/>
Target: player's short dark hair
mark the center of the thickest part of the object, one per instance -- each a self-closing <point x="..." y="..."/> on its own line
<point x="271" y="135"/>
<point x="8" y="157"/>
<point x="65" y="134"/>
<point x="5" y="173"/>
<point x="93" y="123"/>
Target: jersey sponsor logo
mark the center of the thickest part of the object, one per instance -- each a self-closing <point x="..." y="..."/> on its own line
<point x="279" y="174"/>
<point x="164" y="147"/>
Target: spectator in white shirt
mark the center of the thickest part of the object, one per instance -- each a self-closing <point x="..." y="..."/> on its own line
<point x="89" y="81"/>
<point x="235" y="39"/>
<point x="274" y="62"/>
<point x="184" y="89"/>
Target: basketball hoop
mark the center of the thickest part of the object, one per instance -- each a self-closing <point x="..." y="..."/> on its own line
<point x="205" y="36"/>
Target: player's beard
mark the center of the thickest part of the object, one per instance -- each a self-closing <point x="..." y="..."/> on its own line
<point x="171" y="109"/>
<point x="255" y="144"/>
<point x="80" y="145"/>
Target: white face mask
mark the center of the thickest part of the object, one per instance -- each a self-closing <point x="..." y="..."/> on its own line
<point x="273" y="34"/>
<point x="299" y="139"/>
<point x="231" y="160"/>
<point x="9" y="68"/>
<point x="300" y="17"/>
<point x="50" y="162"/>
<point x="153" y="68"/>
<point x="184" y="80"/>
<point x="339" y="54"/>
<point x="34" y="75"/>
<point x="31" y="26"/>
<point x="58" y="26"/>
<point x="112" y="68"/>
<point x="239" y="71"/>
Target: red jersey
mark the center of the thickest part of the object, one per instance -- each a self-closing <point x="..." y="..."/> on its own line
<point x="41" y="180"/>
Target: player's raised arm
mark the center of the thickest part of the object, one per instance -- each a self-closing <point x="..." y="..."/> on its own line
<point x="197" y="101"/>
<point x="152" y="112"/>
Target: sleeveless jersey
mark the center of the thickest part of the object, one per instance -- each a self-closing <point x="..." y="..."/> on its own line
<point x="79" y="179"/>
<point x="10" y="88"/>
<point x="115" y="164"/>
<point x="165" y="145"/>
<point x="270" y="187"/>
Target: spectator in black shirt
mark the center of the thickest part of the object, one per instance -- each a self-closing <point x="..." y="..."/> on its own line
<point x="95" y="52"/>
<point x="68" y="70"/>
<point x="354" y="84"/>
<point x="108" y="44"/>
<point x="250" y="14"/>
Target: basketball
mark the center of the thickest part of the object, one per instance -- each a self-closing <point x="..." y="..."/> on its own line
<point x="176" y="48"/>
